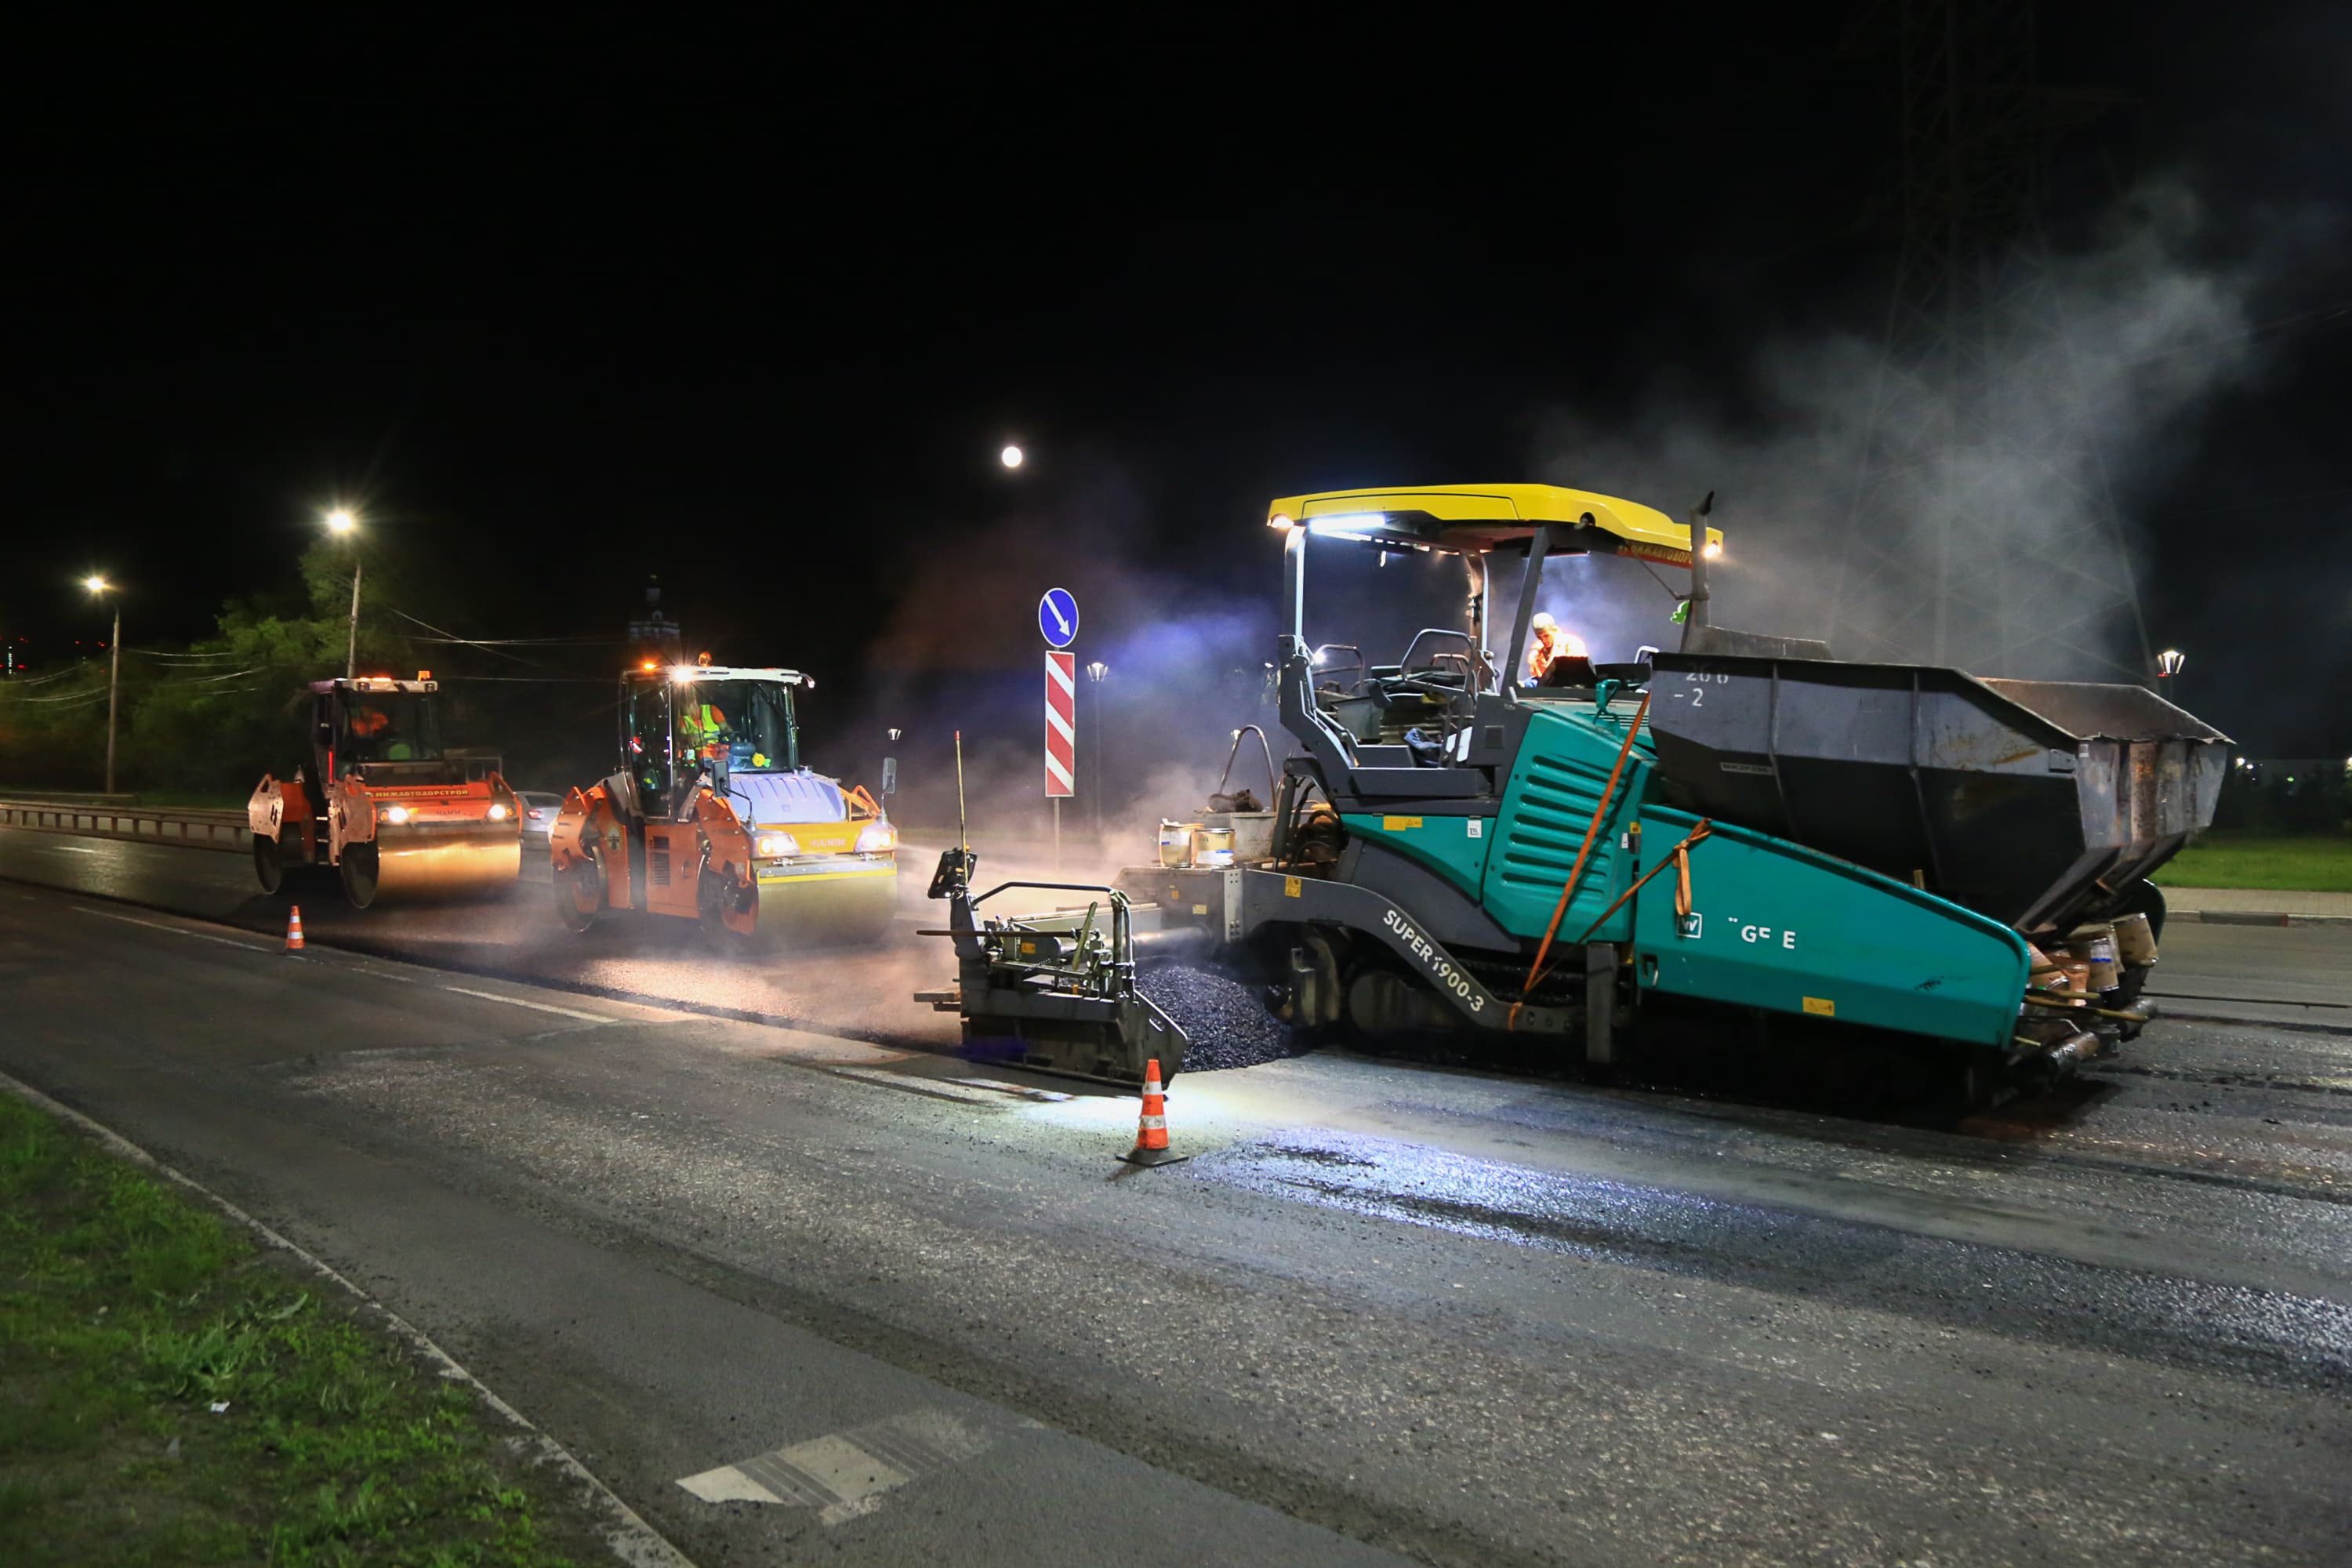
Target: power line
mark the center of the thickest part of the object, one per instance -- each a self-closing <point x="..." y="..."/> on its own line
<point x="469" y="642"/>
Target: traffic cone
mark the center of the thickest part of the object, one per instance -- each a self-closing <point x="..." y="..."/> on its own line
<point x="294" y="936"/>
<point x="1151" y="1127"/>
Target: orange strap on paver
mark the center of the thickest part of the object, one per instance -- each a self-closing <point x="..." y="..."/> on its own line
<point x="1679" y="859"/>
<point x="1584" y="850"/>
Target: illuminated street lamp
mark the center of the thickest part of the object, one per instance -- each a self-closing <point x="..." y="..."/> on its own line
<point x="2168" y="672"/>
<point x="97" y="588"/>
<point x="344" y="523"/>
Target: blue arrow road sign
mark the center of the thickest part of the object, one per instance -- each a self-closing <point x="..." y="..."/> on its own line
<point x="1057" y="617"/>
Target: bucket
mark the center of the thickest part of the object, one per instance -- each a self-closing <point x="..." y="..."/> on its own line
<point x="2095" y="947"/>
<point x="1252" y="833"/>
<point x="1214" y="846"/>
<point x="2134" y="940"/>
<point x="1176" y="843"/>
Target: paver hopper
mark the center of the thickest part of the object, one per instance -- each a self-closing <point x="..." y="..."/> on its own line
<point x="2043" y="804"/>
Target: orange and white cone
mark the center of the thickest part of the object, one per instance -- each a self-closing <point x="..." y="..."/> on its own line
<point x="1151" y="1127"/>
<point x="294" y="928"/>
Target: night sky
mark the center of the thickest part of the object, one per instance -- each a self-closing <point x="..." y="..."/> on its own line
<point x="752" y="303"/>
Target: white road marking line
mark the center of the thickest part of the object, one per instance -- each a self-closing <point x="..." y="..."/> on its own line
<point x="75" y="849"/>
<point x="263" y="946"/>
<point x="842" y="1475"/>
<point x="541" y="1007"/>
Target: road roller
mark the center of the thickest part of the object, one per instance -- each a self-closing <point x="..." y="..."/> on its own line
<point x="711" y="817"/>
<point x="379" y="801"/>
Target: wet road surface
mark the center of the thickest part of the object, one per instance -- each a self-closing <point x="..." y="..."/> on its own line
<point x="1385" y="1310"/>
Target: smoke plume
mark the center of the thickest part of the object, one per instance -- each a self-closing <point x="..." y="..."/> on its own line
<point x="1959" y="492"/>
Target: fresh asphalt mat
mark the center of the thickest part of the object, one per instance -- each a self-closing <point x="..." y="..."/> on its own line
<point x="1385" y="1310"/>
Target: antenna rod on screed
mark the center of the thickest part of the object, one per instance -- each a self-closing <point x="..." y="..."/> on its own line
<point x="963" y="835"/>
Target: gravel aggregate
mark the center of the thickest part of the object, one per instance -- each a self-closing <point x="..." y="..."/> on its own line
<point x="1223" y="1016"/>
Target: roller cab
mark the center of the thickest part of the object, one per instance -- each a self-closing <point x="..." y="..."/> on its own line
<point x="711" y="817"/>
<point x="378" y="801"/>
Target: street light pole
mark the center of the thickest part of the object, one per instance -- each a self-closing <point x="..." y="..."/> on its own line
<point x="99" y="587"/>
<point x="1096" y="673"/>
<point x="342" y="521"/>
<point x="113" y="690"/>
<point x="2168" y="665"/>
<point x="351" y="648"/>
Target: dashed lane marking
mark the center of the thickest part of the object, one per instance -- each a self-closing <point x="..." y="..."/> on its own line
<point x="540" y="1007"/>
<point x="844" y="1475"/>
<point x="263" y="946"/>
<point x="73" y="848"/>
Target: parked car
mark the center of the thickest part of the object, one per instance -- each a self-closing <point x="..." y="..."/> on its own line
<point x="539" y="810"/>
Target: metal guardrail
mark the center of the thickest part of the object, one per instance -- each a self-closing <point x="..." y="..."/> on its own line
<point x="68" y="797"/>
<point x="196" y="829"/>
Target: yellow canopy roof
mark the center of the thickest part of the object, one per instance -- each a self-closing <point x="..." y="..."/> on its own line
<point x="1483" y="517"/>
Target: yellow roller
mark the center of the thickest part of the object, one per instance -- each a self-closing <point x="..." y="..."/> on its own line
<point x="712" y="818"/>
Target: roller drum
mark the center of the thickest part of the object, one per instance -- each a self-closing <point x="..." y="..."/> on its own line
<point x="431" y="863"/>
<point x="828" y="908"/>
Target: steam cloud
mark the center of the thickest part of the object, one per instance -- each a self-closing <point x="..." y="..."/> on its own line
<point x="1867" y="495"/>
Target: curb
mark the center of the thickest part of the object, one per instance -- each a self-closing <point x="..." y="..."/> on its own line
<point x="633" y="1541"/>
<point x="2254" y="918"/>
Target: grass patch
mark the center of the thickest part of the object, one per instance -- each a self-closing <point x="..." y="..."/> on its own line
<point x="127" y="1312"/>
<point x="2280" y="862"/>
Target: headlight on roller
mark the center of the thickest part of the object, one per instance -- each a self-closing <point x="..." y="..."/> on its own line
<point x="774" y="845"/>
<point x="498" y="811"/>
<point x="877" y="838"/>
<point x="396" y="815"/>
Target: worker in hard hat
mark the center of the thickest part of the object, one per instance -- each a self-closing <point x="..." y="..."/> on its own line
<point x="1551" y="642"/>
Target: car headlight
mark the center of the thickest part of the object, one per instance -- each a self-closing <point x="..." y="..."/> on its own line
<point x="773" y="845"/>
<point x="877" y="838"/>
<point x="396" y="815"/>
<point x="498" y="811"/>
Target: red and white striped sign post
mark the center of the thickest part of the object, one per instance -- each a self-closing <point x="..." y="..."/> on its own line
<point x="1061" y="736"/>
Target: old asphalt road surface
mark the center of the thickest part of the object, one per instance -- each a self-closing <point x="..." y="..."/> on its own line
<point x="870" y="1303"/>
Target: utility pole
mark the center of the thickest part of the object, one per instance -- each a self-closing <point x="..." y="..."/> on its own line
<point x="1955" y="549"/>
